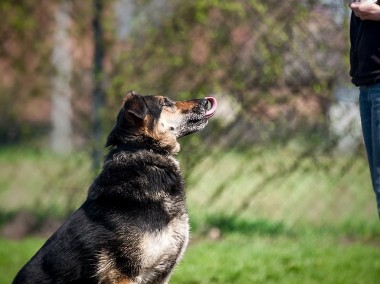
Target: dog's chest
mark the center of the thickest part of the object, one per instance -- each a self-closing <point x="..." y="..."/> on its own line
<point x="165" y="246"/>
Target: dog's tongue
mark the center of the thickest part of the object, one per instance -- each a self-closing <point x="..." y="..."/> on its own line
<point x="214" y="104"/>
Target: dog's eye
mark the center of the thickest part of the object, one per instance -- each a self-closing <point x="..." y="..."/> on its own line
<point x="168" y="103"/>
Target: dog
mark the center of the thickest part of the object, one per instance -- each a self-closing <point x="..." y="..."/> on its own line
<point x="133" y="226"/>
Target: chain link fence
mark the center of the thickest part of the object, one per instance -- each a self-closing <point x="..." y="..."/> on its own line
<point x="284" y="147"/>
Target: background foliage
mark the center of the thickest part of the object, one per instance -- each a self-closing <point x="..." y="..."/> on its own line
<point x="279" y="173"/>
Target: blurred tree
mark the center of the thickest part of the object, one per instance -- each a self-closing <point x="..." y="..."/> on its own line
<point x="279" y="60"/>
<point x="98" y="78"/>
<point x="25" y="73"/>
<point x="61" y="110"/>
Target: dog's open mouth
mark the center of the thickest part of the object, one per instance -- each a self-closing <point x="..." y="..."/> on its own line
<point x="212" y="105"/>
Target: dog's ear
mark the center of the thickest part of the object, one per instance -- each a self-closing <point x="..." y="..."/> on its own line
<point x="135" y="105"/>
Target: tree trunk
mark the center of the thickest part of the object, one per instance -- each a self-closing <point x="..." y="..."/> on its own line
<point x="98" y="78"/>
<point x="61" y="111"/>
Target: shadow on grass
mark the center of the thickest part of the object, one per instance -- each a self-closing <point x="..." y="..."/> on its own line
<point x="22" y="224"/>
<point x="233" y="224"/>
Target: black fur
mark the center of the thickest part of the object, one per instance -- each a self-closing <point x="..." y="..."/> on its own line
<point x="138" y="194"/>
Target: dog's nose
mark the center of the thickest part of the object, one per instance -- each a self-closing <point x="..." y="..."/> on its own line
<point x="204" y="103"/>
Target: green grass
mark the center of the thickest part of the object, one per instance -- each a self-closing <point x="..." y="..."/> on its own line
<point x="253" y="259"/>
<point x="14" y="254"/>
<point x="285" y="216"/>
<point x="250" y="258"/>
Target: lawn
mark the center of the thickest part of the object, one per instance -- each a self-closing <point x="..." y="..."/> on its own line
<point x="259" y="259"/>
<point x="14" y="254"/>
<point x="256" y="258"/>
<point x="284" y="217"/>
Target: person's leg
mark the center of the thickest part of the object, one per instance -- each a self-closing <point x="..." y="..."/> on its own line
<point x="365" y="104"/>
<point x="374" y="94"/>
<point x="365" y="115"/>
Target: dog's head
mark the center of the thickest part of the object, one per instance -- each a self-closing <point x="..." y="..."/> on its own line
<point x="159" y="120"/>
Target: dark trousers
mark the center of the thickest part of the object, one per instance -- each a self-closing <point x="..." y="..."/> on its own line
<point x="369" y="102"/>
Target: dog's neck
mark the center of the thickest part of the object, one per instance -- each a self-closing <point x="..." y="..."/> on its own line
<point x="135" y="148"/>
<point x="137" y="143"/>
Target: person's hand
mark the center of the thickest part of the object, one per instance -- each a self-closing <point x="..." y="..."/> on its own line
<point x="366" y="10"/>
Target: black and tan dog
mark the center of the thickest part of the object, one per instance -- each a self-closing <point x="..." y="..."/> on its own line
<point x="133" y="226"/>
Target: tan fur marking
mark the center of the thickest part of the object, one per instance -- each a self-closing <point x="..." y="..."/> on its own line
<point x="185" y="105"/>
<point x="125" y="281"/>
<point x="162" y="132"/>
<point x="107" y="273"/>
